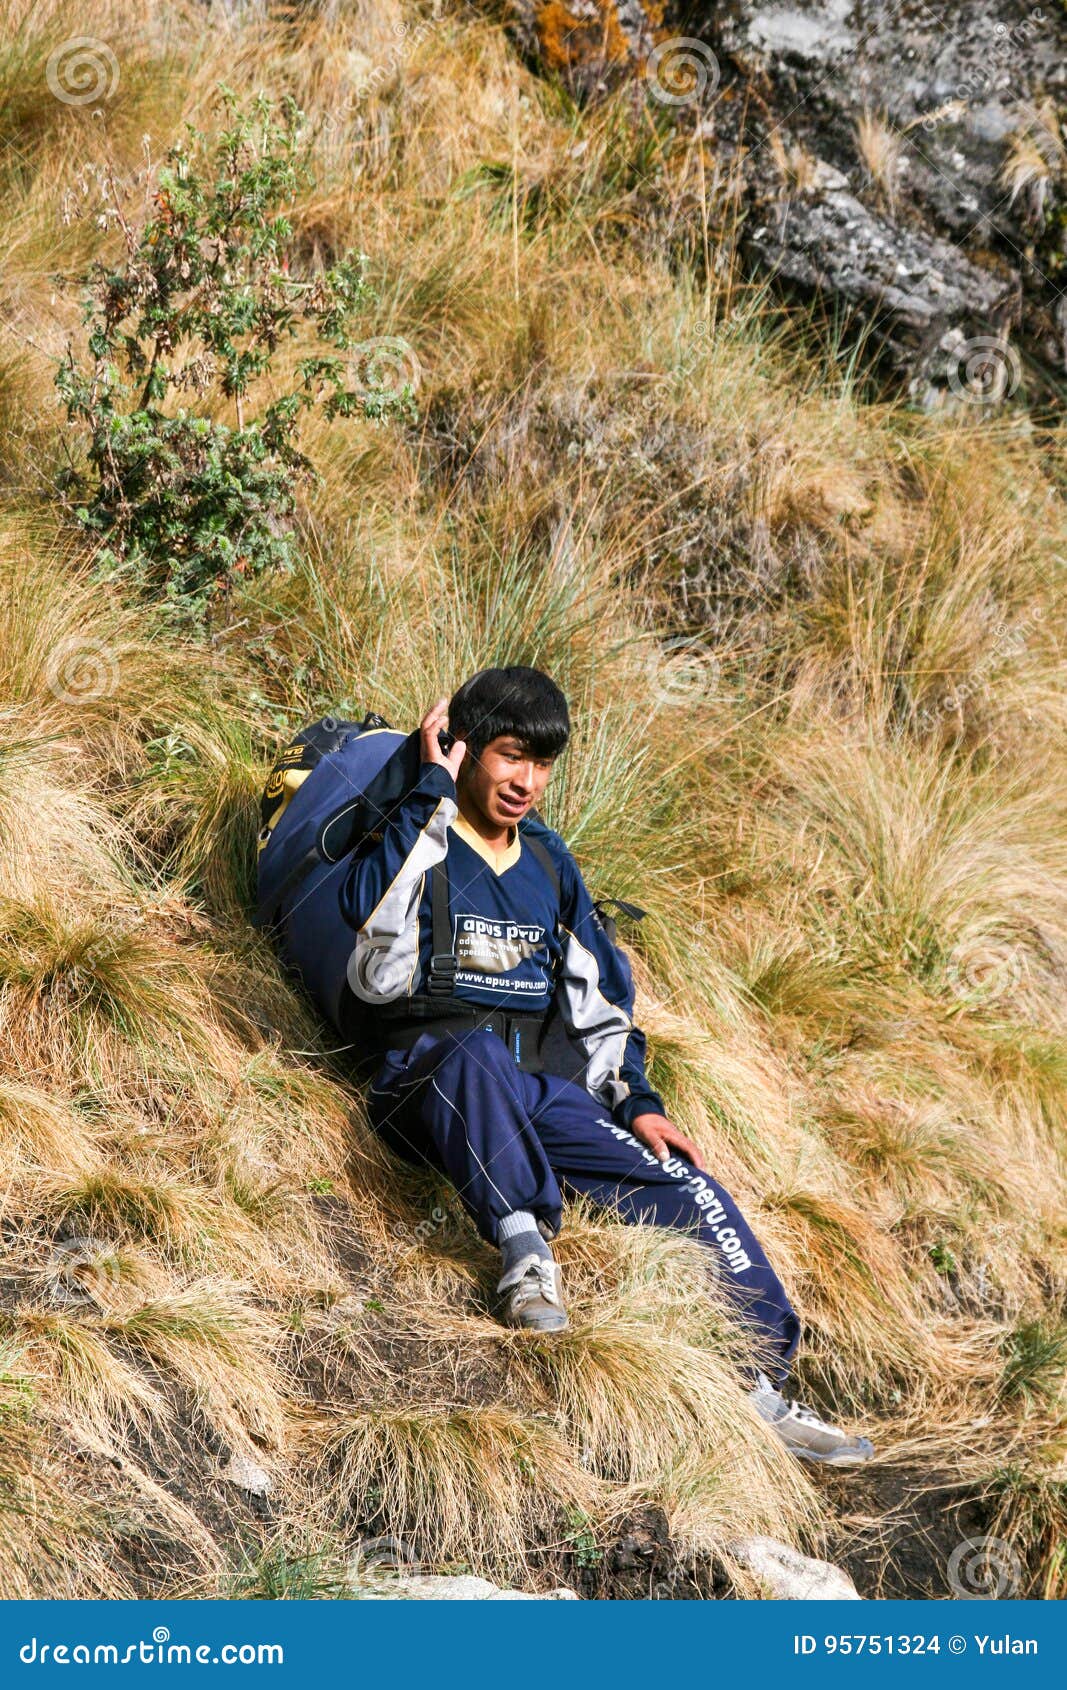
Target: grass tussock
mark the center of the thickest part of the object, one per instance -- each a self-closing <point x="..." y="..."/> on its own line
<point x="475" y="1485"/>
<point x="812" y="643"/>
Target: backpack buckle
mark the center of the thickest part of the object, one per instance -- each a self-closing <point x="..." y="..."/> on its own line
<point x="443" y="967"/>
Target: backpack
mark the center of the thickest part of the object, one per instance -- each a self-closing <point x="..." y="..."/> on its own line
<point x="329" y="794"/>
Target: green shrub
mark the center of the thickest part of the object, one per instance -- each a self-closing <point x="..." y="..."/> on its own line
<point x="206" y="292"/>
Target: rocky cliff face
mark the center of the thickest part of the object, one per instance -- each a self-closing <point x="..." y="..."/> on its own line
<point x="905" y="160"/>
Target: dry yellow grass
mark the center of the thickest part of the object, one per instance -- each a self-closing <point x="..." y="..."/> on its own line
<point x="844" y="812"/>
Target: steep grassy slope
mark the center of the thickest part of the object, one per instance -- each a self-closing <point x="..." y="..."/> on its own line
<point x="842" y="803"/>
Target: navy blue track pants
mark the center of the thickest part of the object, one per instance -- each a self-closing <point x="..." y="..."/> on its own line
<point x="511" y="1140"/>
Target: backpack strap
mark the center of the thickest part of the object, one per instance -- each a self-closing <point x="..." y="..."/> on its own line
<point x="443" y="964"/>
<point x="544" y="857"/>
<point x="634" y="911"/>
<point x="300" y="870"/>
<point x="400" y="1022"/>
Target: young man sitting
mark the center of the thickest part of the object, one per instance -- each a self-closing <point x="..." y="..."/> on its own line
<point x="467" y="927"/>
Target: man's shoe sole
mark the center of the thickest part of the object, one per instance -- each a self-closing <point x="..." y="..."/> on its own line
<point x="551" y="1324"/>
<point x="857" y="1456"/>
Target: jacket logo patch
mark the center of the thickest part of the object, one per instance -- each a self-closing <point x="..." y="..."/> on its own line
<point x="484" y="945"/>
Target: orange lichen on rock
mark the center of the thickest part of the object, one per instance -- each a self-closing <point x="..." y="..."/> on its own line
<point x="598" y="34"/>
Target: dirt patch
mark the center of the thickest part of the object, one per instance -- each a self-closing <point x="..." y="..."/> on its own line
<point x="899" y="1524"/>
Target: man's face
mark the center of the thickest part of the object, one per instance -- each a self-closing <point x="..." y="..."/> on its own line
<point x="506" y="781"/>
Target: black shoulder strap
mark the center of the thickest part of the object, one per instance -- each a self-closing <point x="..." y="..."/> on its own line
<point x="443" y="963"/>
<point x="540" y="850"/>
<point x="634" y="911"/>
<point x="300" y="870"/>
<point x="544" y="857"/>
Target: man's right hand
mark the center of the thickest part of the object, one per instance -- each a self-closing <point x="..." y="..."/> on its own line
<point x="434" y="720"/>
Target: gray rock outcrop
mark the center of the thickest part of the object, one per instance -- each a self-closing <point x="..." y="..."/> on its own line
<point x="789" y="1576"/>
<point x="907" y="162"/>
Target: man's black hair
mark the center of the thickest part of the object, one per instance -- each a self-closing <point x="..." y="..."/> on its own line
<point x="519" y="701"/>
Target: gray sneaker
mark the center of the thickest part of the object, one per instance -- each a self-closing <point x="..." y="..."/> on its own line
<point x="532" y="1297"/>
<point x="802" y="1431"/>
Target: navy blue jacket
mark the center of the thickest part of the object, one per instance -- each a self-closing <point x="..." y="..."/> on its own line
<point x="516" y="943"/>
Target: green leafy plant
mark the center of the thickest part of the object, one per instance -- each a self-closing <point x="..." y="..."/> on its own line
<point x="1035" y="1363"/>
<point x="279" y="1572"/>
<point x="17" y="1395"/>
<point x="204" y="296"/>
<point x="582" y="1538"/>
<point x="943" y="1259"/>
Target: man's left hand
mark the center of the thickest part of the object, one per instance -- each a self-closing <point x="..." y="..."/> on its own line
<point x="662" y="1136"/>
